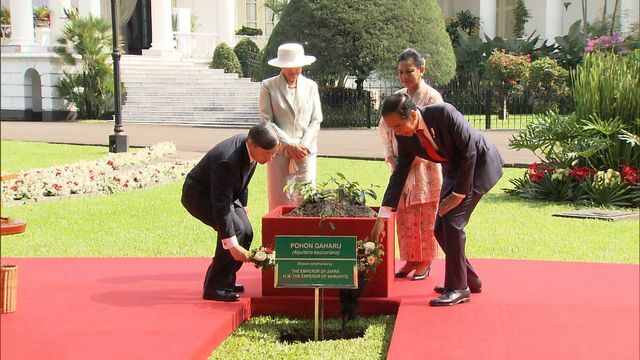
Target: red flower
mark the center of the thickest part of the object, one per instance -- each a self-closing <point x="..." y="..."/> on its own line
<point x="267" y="250"/>
<point x="580" y="173"/>
<point x="110" y="163"/>
<point x="536" y="171"/>
<point x="630" y="174"/>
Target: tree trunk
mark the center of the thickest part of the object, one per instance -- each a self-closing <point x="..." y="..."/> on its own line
<point x="503" y="114"/>
<point x="360" y="84"/>
<point x="613" y="17"/>
<point x="583" y="3"/>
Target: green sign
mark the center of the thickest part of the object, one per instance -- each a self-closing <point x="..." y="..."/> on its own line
<point x="316" y="261"/>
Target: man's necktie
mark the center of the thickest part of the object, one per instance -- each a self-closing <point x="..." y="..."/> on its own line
<point x="429" y="146"/>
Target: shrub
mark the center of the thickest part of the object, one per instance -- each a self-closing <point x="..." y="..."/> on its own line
<point x="247" y="52"/>
<point x="463" y="21"/>
<point x="225" y="58"/>
<point x="85" y="43"/>
<point x="549" y="82"/>
<point x="570" y="47"/>
<point x="509" y="74"/>
<point x="249" y="31"/>
<point x="606" y="88"/>
<point x="612" y="43"/>
<point x="582" y="185"/>
<point x="555" y="139"/>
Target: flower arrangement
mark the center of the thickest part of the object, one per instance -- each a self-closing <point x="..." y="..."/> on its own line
<point x="110" y="174"/>
<point x="369" y="255"/>
<point x="262" y="257"/>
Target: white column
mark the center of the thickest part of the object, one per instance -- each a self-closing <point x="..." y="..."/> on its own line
<point x="226" y="22"/>
<point x="487" y="15"/>
<point x="554" y="12"/>
<point x="162" y="38"/>
<point x="22" y="23"/>
<point x="89" y="7"/>
<point x="58" y="18"/>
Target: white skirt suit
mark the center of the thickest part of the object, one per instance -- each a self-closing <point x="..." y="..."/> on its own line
<point x="297" y="114"/>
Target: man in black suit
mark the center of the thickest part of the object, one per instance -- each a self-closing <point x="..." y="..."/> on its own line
<point x="216" y="192"/>
<point x="470" y="167"/>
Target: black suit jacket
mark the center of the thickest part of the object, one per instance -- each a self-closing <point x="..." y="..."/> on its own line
<point x="224" y="172"/>
<point x="472" y="161"/>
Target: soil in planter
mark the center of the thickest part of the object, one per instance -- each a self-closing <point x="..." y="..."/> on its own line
<point x="332" y="208"/>
<point x="305" y="335"/>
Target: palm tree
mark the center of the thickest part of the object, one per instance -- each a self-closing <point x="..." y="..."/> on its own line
<point x="85" y="44"/>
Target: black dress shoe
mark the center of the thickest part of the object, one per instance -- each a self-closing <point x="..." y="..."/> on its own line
<point x="237" y="288"/>
<point x="221" y="295"/>
<point x="422" y="276"/>
<point x="452" y="297"/>
<point x="441" y="289"/>
<point x="401" y="274"/>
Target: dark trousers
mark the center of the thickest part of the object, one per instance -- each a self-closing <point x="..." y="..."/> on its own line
<point x="449" y="231"/>
<point x="223" y="268"/>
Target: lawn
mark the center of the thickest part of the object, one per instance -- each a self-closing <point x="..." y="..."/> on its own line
<point x="502" y="226"/>
<point x="24" y="155"/>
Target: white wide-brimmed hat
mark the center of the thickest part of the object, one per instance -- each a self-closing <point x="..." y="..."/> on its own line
<point x="291" y="55"/>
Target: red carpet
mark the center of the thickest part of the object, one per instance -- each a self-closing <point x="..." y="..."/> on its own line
<point x="152" y="309"/>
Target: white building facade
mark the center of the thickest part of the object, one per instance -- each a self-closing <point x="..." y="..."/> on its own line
<point x="191" y="29"/>
<point x="549" y="18"/>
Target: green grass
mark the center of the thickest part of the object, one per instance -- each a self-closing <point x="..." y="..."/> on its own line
<point x="258" y="339"/>
<point x="23" y="155"/>
<point x="501" y="227"/>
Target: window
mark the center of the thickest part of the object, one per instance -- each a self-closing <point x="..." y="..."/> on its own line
<point x="268" y="21"/>
<point x="251" y="19"/>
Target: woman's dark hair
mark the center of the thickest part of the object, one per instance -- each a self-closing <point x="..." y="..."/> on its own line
<point x="264" y="135"/>
<point x="411" y="54"/>
<point x="400" y="103"/>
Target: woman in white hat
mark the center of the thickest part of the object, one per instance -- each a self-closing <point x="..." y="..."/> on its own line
<point x="291" y="102"/>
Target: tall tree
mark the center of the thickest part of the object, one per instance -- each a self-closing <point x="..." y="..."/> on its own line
<point x="356" y="37"/>
<point x="521" y="16"/>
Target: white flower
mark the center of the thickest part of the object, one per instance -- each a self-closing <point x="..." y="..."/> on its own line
<point x="112" y="173"/>
<point x="260" y="256"/>
<point x="369" y="246"/>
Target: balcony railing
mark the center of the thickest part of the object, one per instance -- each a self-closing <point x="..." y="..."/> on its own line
<point x="197" y="46"/>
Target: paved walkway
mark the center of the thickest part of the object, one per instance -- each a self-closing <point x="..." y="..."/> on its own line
<point x="192" y="142"/>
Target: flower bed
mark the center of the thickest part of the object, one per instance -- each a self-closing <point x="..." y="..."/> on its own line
<point x="113" y="173"/>
<point x="580" y="184"/>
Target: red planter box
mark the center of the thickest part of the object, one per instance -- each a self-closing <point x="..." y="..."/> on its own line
<point x="277" y="222"/>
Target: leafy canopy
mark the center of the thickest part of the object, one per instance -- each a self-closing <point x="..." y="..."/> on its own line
<point x="356" y="37"/>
